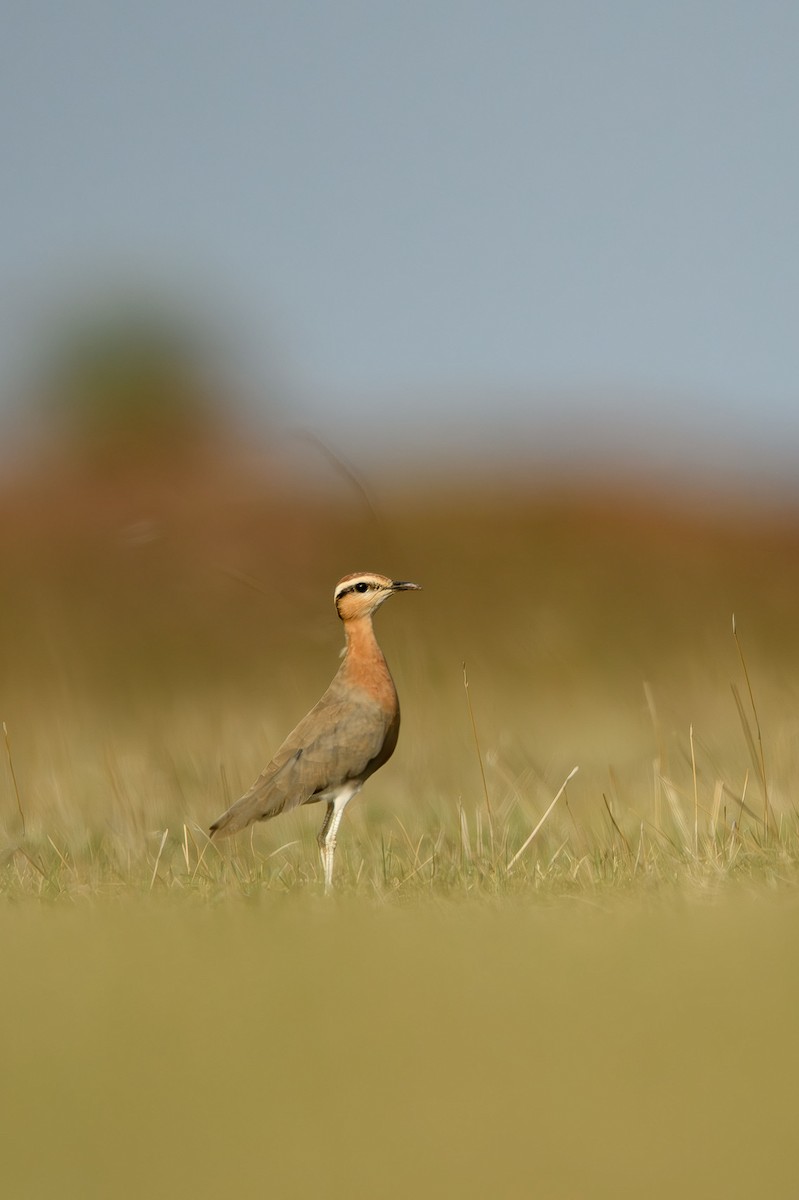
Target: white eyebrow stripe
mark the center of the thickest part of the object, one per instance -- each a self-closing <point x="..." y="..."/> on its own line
<point x="347" y="585"/>
<point x="351" y="584"/>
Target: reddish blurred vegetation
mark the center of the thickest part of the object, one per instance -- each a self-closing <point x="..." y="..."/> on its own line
<point x="210" y="560"/>
<point x="149" y="546"/>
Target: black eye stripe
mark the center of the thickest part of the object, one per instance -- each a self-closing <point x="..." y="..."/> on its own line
<point x="361" y="587"/>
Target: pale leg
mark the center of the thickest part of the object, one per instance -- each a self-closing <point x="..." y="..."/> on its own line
<point x="327" y="834"/>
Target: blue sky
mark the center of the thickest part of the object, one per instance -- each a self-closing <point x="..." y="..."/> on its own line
<point x="543" y="215"/>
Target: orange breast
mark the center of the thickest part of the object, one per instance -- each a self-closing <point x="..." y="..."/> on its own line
<point x="365" y="666"/>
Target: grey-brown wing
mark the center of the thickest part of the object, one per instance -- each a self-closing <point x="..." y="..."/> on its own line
<point x="338" y="740"/>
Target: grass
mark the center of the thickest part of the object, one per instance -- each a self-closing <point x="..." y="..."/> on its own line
<point x="108" y="805"/>
<point x="294" y="1048"/>
<point x="602" y="1008"/>
<point x="700" y="847"/>
<point x="386" y="868"/>
<point x="126" y="815"/>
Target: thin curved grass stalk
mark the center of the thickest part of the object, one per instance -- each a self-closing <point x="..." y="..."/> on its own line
<point x="760" y="759"/>
<point x="480" y="760"/>
<point x="13" y="776"/>
<point x="558" y="795"/>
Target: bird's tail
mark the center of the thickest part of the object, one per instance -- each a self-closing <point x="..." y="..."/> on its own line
<point x="225" y="825"/>
<point x="237" y="817"/>
<point x="265" y="799"/>
<point x="259" y="804"/>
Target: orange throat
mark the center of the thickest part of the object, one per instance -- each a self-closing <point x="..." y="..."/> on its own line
<point x="364" y="664"/>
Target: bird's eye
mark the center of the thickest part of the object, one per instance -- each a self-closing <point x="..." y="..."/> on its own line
<point x="362" y="587"/>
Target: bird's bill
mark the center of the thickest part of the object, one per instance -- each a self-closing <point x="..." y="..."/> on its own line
<point x="401" y="586"/>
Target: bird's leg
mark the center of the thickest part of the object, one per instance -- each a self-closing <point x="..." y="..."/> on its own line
<point x="327" y="841"/>
<point x="327" y="834"/>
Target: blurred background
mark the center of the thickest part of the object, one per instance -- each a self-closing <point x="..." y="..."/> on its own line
<point x="500" y="298"/>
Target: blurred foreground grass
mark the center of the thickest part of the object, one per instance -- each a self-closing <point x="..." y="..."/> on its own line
<point x="292" y="1047"/>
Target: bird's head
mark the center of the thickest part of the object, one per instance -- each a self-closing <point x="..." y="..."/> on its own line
<point x="358" y="595"/>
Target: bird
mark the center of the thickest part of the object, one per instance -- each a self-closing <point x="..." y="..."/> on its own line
<point x="348" y="734"/>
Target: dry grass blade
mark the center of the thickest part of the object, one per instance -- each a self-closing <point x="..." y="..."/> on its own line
<point x="761" y="758"/>
<point x="479" y="759"/>
<point x="718" y="794"/>
<point x="465" y="842"/>
<point x="558" y="795"/>
<point x="13" y="776"/>
<point x="348" y="472"/>
<point x="32" y="861"/>
<point x="64" y="862"/>
<point x="158" y="858"/>
<point x="615" y="825"/>
<point x="696" y="791"/>
<point x="660" y="764"/>
<point x="676" y="812"/>
<point x="242" y="577"/>
<point x="745" y="726"/>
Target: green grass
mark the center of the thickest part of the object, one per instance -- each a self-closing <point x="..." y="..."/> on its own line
<point x="107" y="804"/>
<point x="97" y="807"/>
